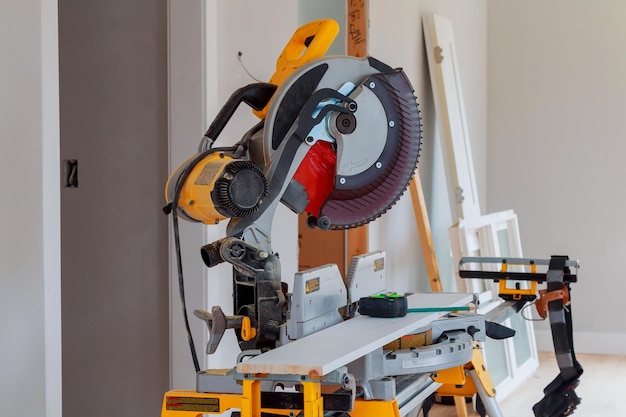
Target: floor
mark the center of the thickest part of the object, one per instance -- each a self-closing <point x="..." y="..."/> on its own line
<point x="601" y="388"/>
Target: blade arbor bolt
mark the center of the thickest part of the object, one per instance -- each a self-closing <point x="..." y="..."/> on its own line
<point x="346" y="123"/>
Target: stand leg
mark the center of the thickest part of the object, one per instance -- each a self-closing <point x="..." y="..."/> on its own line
<point x="461" y="407"/>
<point x="251" y="398"/>
<point x="491" y="405"/>
<point x="313" y="401"/>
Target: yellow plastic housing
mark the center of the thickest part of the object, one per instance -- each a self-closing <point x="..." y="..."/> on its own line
<point x="517" y="293"/>
<point x="320" y="33"/>
<point x="195" y="197"/>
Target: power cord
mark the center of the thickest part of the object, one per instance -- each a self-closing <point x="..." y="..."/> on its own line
<point x="172" y="208"/>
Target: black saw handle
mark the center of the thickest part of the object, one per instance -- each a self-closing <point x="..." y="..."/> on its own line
<point x="256" y="95"/>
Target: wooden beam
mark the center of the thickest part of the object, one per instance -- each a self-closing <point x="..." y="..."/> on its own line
<point x="318" y="247"/>
<point x="357" y="20"/>
<point x="426" y="238"/>
<point x="430" y="258"/>
<point x="358" y="23"/>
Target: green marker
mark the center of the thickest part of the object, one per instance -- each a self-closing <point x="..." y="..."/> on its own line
<point x="436" y="309"/>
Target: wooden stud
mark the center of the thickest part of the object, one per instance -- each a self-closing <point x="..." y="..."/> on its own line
<point x="357" y="19"/>
<point x="426" y="238"/>
<point x="357" y="24"/>
<point x="318" y="247"/>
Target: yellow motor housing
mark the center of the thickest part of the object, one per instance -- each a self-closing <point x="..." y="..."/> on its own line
<point x="217" y="187"/>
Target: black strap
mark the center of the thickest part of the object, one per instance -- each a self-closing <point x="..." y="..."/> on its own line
<point x="560" y="398"/>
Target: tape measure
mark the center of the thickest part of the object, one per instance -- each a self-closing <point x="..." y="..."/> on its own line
<point x="384" y="305"/>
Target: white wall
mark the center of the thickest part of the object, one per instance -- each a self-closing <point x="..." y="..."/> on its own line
<point x="30" y="323"/>
<point x="189" y="72"/>
<point x="557" y="96"/>
<point x="396" y="37"/>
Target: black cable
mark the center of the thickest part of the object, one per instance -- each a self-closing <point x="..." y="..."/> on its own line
<point x="181" y="291"/>
<point x="172" y="207"/>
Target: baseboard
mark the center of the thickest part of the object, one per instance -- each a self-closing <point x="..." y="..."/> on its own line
<point x="586" y="342"/>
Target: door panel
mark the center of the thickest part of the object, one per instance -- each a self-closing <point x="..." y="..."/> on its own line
<point x="114" y="262"/>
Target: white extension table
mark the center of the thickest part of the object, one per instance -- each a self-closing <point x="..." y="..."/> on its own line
<point x="327" y="350"/>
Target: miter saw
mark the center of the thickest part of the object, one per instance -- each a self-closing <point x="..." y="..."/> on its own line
<point x="338" y="140"/>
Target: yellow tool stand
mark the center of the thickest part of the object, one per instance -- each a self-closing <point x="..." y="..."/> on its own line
<point x="191" y="403"/>
<point x="455" y="382"/>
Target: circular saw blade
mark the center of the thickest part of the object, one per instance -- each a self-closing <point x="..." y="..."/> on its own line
<point x="376" y="157"/>
<point x="365" y="196"/>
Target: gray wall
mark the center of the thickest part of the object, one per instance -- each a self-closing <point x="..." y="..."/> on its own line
<point x="113" y="90"/>
<point x="557" y="96"/>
